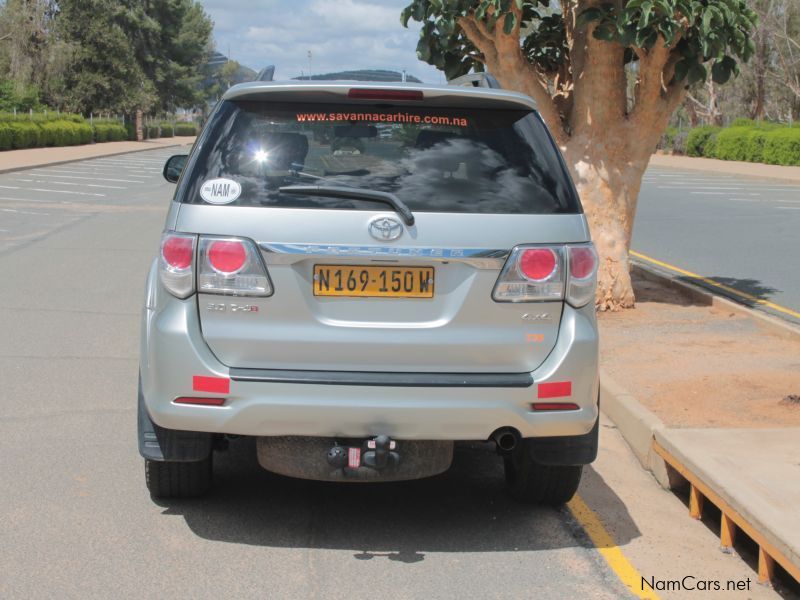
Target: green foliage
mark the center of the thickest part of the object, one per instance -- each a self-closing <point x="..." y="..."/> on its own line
<point x="25" y="134"/>
<point x="710" y="33"/>
<point x="749" y="141"/>
<point x="701" y="141"/>
<point x="152" y="132"/>
<point x="731" y="144"/>
<point x="167" y="130"/>
<point x="65" y="133"/>
<point x="131" y="55"/>
<point x="185" y="129"/>
<point x="171" y="44"/>
<point x="107" y="131"/>
<point x="6" y="136"/>
<point x="782" y="147"/>
<point x="23" y="101"/>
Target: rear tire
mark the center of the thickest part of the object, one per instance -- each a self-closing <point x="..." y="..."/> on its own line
<point x="534" y="483"/>
<point x="170" y="479"/>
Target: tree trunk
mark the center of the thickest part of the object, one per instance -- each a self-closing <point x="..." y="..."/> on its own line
<point x="608" y="183"/>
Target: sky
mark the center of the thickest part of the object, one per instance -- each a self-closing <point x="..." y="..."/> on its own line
<point x="341" y="34"/>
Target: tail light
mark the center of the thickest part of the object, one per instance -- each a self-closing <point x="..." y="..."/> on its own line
<point x="582" y="274"/>
<point x="224" y="266"/>
<point x="176" y="263"/>
<point x="548" y="273"/>
<point x="231" y="266"/>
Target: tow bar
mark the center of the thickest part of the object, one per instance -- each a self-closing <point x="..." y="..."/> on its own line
<point x="379" y="453"/>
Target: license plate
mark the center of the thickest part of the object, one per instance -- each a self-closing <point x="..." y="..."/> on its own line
<point x="374" y="282"/>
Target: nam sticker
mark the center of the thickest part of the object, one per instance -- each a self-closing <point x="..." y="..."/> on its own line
<point x="220" y="191"/>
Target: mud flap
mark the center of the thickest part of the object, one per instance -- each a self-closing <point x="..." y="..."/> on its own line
<point x="157" y="443"/>
<point x="569" y="450"/>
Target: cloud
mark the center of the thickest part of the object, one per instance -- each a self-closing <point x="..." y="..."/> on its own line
<point x="341" y="34"/>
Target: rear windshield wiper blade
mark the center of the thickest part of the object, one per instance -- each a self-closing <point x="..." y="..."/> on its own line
<point x="332" y="191"/>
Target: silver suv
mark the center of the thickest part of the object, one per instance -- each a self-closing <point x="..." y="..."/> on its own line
<point x="359" y="275"/>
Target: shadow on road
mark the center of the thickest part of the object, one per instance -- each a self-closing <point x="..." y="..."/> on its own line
<point x="466" y="509"/>
<point x="752" y="287"/>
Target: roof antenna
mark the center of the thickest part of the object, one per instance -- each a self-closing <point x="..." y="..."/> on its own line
<point x="266" y="74"/>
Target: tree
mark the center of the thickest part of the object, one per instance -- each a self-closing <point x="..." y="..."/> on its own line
<point x="104" y="73"/>
<point x="25" y="47"/>
<point x="172" y="43"/>
<point x="574" y="59"/>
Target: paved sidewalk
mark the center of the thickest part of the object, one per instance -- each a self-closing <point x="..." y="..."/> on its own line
<point x="730" y="167"/>
<point x="755" y="471"/>
<point x="15" y="160"/>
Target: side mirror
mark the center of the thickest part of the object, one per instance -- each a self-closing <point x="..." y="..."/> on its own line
<point x="174" y="167"/>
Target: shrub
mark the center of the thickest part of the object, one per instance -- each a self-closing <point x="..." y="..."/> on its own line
<point x="698" y="140"/>
<point x="167" y="130"/>
<point x="782" y="147"/>
<point x="754" y="146"/>
<point x="152" y="132"/>
<point x="109" y="132"/>
<point x="731" y="143"/>
<point x="742" y="122"/>
<point x="25" y="134"/>
<point x="5" y="136"/>
<point x="185" y="129"/>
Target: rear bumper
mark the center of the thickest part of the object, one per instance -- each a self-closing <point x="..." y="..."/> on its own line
<point x="173" y="352"/>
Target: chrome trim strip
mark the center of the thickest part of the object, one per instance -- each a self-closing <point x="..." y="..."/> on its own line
<point x="481" y="258"/>
<point x="393" y="379"/>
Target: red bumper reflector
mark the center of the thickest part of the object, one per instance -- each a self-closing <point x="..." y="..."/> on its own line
<point x="215" y="385"/>
<point x="201" y="401"/>
<point x="555" y="406"/>
<point x="557" y="389"/>
<point x="373" y="94"/>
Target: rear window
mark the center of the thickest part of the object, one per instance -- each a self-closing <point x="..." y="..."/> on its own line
<point x="433" y="159"/>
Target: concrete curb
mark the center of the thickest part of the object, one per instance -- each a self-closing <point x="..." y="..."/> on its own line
<point x="637" y="424"/>
<point x="704" y="296"/>
<point x="72" y="160"/>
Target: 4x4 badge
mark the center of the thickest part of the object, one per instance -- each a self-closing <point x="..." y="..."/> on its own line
<point x="385" y="229"/>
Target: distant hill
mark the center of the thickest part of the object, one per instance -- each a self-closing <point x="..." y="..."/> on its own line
<point x="362" y="75"/>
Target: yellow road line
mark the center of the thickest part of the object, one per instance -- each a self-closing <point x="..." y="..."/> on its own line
<point x="711" y="282"/>
<point x="608" y="549"/>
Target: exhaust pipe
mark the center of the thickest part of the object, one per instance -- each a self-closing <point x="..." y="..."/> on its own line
<point x="505" y="439"/>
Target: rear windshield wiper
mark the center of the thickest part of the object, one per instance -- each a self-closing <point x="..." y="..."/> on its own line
<point x="331" y="191"/>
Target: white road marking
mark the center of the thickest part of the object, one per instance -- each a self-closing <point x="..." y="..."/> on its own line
<point x="88" y="178"/>
<point x="28" y="200"/>
<point x="708" y="193"/>
<point x="67" y="192"/>
<point x="10" y="187"/>
<point x="23" y="212"/>
<point x="788" y="207"/>
<point x="699" y="187"/>
<point x="49" y="171"/>
<point x="94" y="185"/>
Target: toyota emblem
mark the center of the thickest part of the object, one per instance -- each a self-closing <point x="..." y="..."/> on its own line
<point x="385" y="229"/>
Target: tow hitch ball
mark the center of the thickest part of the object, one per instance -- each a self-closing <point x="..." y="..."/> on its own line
<point x="377" y="453"/>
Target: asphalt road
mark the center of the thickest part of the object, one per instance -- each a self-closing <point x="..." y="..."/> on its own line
<point x="76" y="520"/>
<point x="739" y="231"/>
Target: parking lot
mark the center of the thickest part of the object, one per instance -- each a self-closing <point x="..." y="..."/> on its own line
<point x="738" y="231"/>
<point x="75" y="243"/>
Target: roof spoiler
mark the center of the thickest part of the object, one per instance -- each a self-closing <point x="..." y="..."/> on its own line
<point x="266" y="74"/>
<point x="483" y="80"/>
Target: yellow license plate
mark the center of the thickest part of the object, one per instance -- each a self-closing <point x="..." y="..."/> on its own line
<point x="374" y="282"/>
